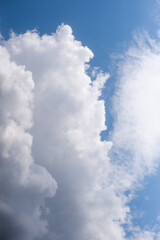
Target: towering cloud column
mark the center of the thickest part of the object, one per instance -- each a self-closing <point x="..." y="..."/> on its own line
<point x="23" y="184"/>
<point x="68" y="120"/>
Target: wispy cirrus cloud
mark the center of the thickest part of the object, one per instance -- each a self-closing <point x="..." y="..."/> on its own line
<point x="136" y="107"/>
<point x="136" y="111"/>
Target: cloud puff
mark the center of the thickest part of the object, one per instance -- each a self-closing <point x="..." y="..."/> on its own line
<point x="47" y="94"/>
<point x="68" y="119"/>
<point x="24" y="185"/>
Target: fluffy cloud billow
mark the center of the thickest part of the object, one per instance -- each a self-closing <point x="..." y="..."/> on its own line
<point x="57" y="181"/>
<point x="24" y="185"/>
<point x="67" y="120"/>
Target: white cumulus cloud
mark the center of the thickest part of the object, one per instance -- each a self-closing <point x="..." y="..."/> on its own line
<point x="68" y="119"/>
<point x="51" y="117"/>
<point x="24" y="185"/>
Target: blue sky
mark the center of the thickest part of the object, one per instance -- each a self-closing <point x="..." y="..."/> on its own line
<point x="107" y="27"/>
<point x="104" y="26"/>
